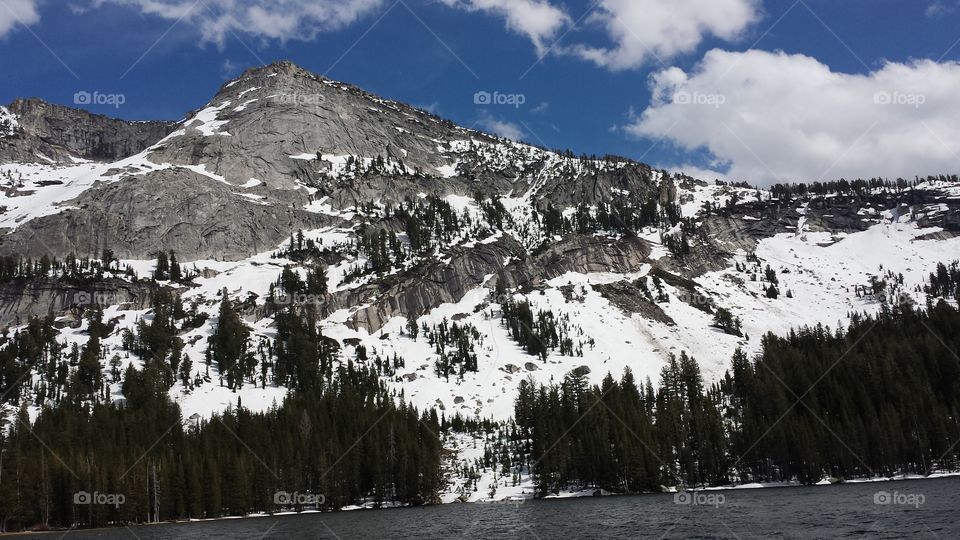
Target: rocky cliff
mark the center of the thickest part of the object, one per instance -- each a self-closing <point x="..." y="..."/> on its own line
<point x="22" y="299"/>
<point x="170" y="209"/>
<point x="55" y="132"/>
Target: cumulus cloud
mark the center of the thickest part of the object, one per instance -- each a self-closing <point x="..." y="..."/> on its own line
<point x="503" y="128"/>
<point x="538" y="20"/>
<point x="633" y="32"/>
<point x="638" y="31"/>
<point x="643" y="31"/>
<point x="15" y="12"/>
<point x="270" y="19"/>
<point x="771" y="117"/>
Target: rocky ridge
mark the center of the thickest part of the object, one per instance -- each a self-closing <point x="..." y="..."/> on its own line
<point x="55" y="133"/>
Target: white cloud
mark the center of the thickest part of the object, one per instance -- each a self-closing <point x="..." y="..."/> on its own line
<point x="269" y="19"/>
<point x="229" y="68"/>
<point x="639" y="31"/>
<point x="771" y="117"/>
<point x="707" y="175"/>
<point x="538" y="20"/>
<point x="16" y="12"/>
<point x="635" y="32"/>
<point x="432" y="108"/>
<point x="940" y="8"/>
<point x="644" y="31"/>
<point x="499" y="127"/>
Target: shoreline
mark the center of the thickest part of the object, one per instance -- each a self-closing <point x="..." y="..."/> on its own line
<point x="513" y="499"/>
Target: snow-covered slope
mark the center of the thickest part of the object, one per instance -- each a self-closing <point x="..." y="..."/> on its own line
<point x="821" y="271"/>
<point x="625" y="295"/>
<point x="8" y="122"/>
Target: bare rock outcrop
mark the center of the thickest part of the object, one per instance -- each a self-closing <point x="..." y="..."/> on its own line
<point x="23" y="299"/>
<point x="174" y="209"/>
<point x="420" y="289"/>
<point x="628" y="297"/>
<point x="580" y="253"/>
<point x="59" y="132"/>
<point x="274" y="123"/>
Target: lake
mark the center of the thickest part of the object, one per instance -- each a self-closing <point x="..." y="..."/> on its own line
<point x="901" y="509"/>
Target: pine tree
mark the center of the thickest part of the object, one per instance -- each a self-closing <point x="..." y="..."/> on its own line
<point x="175" y="274"/>
<point x="162" y="270"/>
<point x="228" y="345"/>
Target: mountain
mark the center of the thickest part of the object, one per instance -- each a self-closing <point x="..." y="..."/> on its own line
<point x="277" y="141"/>
<point x="456" y="262"/>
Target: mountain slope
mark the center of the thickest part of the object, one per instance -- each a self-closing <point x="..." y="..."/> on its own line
<point x="454" y="262"/>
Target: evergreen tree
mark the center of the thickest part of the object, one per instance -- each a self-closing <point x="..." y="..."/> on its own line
<point x="228" y="345"/>
<point x="175" y="274"/>
<point x="162" y="270"/>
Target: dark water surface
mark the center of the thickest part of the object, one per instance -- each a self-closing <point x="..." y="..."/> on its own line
<point x="903" y="509"/>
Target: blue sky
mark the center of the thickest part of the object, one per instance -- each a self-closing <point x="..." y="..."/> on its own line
<point x="598" y="88"/>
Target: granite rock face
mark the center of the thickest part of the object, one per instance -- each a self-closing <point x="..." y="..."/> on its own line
<point x="417" y="291"/>
<point x="21" y="300"/>
<point x="58" y="132"/>
<point x="288" y="128"/>
<point x="173" y="209"/>
<point x="275" y="123"/>
<point x="420" y="289"/>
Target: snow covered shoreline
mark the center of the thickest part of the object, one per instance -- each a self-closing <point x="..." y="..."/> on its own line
<point x="756" y="485"/>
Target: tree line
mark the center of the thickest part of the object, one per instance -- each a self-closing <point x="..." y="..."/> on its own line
<point x="879" y="398"/>
<point x="346" y="442"/>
